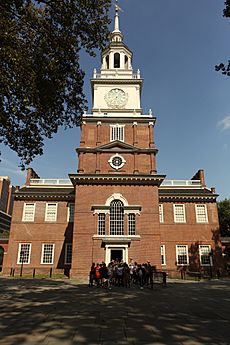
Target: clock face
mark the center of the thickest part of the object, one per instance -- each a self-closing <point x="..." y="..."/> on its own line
<point x="116" y="98"/>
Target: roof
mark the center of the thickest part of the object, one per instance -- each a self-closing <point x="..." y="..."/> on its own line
<point x="186" y="194"/>
<point x="41" y="193"/>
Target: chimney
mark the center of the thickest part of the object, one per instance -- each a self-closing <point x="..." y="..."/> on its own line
<point x="30" y="174"/>
<point x="199" y="176"/>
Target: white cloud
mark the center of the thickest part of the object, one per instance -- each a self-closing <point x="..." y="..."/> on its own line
<point x="225" y="123"/>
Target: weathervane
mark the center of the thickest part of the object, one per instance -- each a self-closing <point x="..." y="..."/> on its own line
<point x="118" y="8"/>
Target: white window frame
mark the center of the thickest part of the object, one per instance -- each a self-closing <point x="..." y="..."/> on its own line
<point x="117" y="132"/>
<point x="203" y="215"/>
<point x="66" y="253"/>
<point x="24" y="212"/>
<point x="175" y="215"/>
<point x="132" y="222"/>
<point x="177" y="254"/>
<point x="163" y="256"/>
<point x="19" y="254"/>
<point x="201" y="253"/>
<point x="42" y="255"/>
<point x="101" y="223"/>
<point x="46" y="214"/>
<point x="70" y="213"/>
<point x="161" y="213"/>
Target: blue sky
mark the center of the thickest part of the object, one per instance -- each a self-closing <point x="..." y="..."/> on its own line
<point x="176" y="44"/>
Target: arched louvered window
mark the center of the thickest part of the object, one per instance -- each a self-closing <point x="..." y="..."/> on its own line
<point x="116" y="218"/>
<point x="116" y="60"/>
<point x="107" y="61"/>
<point x="126" y="62"/>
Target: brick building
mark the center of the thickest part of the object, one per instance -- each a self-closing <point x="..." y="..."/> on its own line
<point x="116" y="206"/>
<point x="6" y="206"/>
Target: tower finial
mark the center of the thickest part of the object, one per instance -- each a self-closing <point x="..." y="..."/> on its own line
<point x="116" y="22"/>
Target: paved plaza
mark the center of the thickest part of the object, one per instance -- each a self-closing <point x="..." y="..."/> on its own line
<point x="51" y="312"/>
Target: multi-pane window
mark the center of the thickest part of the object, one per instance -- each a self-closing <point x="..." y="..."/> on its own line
<point x="201" y="213"/>
<point x="161" y="216"/>
<point x="163" y="261"/>
<point x="28" y="212"/>
<point x="205" y="255"/>
<point x="70" y="212"/>
<point x="101" y="224"/>
<point x="182" y="254"/>
<point x="24" y="253"/>
<point x="68" y="253"/>
<point x="47" y="253"/>
<point x="51" y="212"/>
<point x="116" y="218"/>
<point x="179" y="213"/>
<point x="117" y="132"/>
<point x="132" y="224"/>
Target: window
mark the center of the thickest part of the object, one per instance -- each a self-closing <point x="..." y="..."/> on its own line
<point x="117" y="133"/>
<point x="132" y="224"/>
<point x="116" y="218"/>
<point x="107" y="61"/>
<point x="24" y="251"/>
<point x="201" y="214"/>
<point x="205" y="257"/>
<point x="70" y="216"/>
<point x="116" y="161"/>
<point x="163" y="261"/>
<point x="161" y="217"/>
<point x="101" y="224"/>
<point x="182" y="254"/>
<point x="51" y="212"/>
<point x="179" y="213"/>
<point x="47" y="253"/>
<point x="68" y="253"/>
<point x="116" y="60"/>
<point x="28" y="212"/>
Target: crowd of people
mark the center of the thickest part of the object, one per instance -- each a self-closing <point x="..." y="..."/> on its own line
<point x="119" y="273"/>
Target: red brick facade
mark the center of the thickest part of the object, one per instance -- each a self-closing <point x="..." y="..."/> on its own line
<point x="122" y="206"/>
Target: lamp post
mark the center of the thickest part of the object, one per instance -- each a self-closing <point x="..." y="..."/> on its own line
<point x="22" y="261"/>
<point x="211" y="262"/>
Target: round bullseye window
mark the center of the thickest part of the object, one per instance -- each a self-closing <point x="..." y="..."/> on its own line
<point x="117" y="161"/>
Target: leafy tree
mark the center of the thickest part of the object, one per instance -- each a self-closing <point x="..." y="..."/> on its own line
<point x="225" y="68"/>
<point x="41" y="81"/>
<point x="224" y="216"/>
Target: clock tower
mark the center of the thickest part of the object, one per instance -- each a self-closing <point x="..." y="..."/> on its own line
<point x="116" y="186"/>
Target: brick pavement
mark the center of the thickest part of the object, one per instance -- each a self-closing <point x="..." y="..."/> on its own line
<point x="50" y="312"/>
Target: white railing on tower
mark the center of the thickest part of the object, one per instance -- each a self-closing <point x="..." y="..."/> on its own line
<point x="181" y="183"/>
<point x="48" y="181"/>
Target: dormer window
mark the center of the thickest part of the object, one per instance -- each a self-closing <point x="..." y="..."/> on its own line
<point x="116" y="60"/>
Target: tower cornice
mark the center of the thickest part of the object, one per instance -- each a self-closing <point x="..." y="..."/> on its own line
<point x="116" y="179"/>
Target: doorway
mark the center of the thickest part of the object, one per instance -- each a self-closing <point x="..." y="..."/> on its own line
<point x="116" y="254"/>
<point x="116" y="251"/>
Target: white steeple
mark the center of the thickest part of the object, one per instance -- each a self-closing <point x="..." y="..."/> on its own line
<point x="116" y="90"/>
<point x="116" y="21"/>
<point x="116" y="35"/>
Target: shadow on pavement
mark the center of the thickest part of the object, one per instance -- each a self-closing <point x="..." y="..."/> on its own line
<point x="60" y="312"/>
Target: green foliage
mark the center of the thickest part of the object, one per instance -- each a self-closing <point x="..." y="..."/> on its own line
<point x="225" y="68"/>
<point x="224" y="216"/>
<point x="41" y="81"/>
